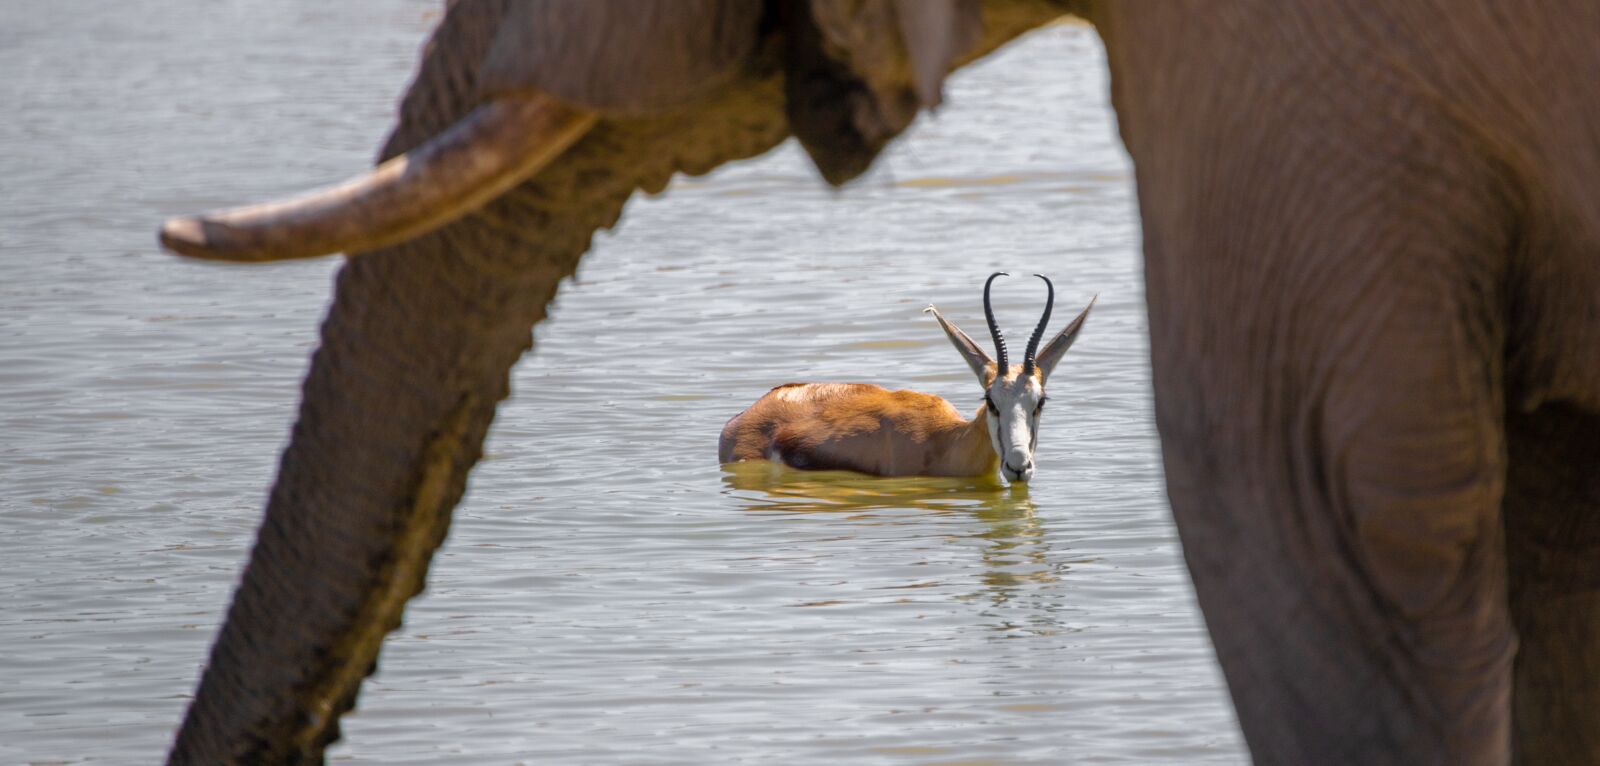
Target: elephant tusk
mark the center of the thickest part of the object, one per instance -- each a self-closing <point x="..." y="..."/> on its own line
<point x="493" y="148"/>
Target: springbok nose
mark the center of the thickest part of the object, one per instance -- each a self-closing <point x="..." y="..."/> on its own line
<point x="1019" y="460"/>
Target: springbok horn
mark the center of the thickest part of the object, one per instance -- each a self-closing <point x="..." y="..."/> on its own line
<point x="994" y="328"/>
<point x="492" y="149"/>
<point x="1038" y="332"/>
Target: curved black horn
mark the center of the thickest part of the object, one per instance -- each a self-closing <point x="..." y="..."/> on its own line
<point x="1038" y="332"/>
<point x="994" y="328"/>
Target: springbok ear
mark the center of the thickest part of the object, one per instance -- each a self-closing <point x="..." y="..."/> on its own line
<point x="979" y="362"/>
<point x="1058" y="345"/>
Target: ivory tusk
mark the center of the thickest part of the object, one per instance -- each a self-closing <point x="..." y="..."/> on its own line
<point x="492" y="149"/>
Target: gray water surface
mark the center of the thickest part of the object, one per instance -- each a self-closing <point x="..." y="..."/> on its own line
<point x="608" y="594"/>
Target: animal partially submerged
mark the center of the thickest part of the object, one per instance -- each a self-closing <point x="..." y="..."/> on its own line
<point x="870" y="429"/>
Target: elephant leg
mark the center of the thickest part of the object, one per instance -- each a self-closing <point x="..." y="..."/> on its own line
<point x="1345" y="542"/>
<point x="1326" y="253"/>
<point x="1552" y="520"/>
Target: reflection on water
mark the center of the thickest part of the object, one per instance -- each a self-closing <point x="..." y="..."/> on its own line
<point x="765" y="485"/>
<point x="608" y="594"/>
<point x="1016" y="552"/>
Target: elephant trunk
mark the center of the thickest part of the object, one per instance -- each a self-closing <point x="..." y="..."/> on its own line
<point x="416" y="353"/>
<point x="403" y="404"/>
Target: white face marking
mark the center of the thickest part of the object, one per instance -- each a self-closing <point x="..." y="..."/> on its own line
<point x="1014" y="407"/>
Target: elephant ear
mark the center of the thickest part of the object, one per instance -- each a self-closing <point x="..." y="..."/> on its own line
<point x="1058" y="345"/>
<point x="860" y="70"/>
<point x="625" y="57"/>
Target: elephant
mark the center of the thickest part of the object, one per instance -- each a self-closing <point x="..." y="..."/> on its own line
<point x="1370" y="239"/>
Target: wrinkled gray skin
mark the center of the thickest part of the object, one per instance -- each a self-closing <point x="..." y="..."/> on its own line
<point x="1371" y="238"/>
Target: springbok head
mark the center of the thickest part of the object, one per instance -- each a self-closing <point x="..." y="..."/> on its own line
<point x="1014" y="394"/>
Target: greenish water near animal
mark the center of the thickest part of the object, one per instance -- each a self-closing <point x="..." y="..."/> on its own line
<point x="609" y="594"/>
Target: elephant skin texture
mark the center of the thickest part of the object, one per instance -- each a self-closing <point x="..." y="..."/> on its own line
<point x="1371" y="236"/>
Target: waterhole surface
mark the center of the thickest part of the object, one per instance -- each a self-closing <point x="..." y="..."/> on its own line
<point x="608" y="593"/>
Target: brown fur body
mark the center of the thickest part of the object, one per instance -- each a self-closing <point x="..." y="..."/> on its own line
<point x="860" y="427"/>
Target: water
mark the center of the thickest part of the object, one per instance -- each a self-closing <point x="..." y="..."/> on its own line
<point x="608" y="594"/>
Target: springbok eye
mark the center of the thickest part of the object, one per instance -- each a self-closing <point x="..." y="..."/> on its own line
<point x="993" y="410"/>
<point x="1040" y="406"/>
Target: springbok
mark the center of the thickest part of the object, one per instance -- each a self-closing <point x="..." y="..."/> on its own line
<point x="870" y="429"/>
